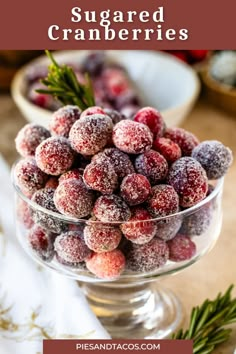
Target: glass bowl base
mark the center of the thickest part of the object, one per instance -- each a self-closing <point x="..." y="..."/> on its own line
<point x="143" y="311"/>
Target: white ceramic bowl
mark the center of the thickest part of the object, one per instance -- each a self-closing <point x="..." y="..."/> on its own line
<point x="163" y="81"/>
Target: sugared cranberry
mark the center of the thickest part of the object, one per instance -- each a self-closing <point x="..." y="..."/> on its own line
<point x="107" y="265"/>
<point x="189" y="179"/>
<point x="147" y="257"/>
<point x="52" y="182"/>
<point x="101" y="176"/>
<point x="76" y="173"/>
<point x="29" y="137"/>
<point x="94" y="63"/>
<point x="72" y="198"/>
<point x="92" y="110"/>
<point x="36" y="72"/>
<point x="24" y="214"/>
<point x="166" y="147"/>
<point x="129" y="110"/>
<point x="132" y="137"/>
<point x="138" y="228"/>
<point x="214" y="157"/>
<point x="152" y="118"/>
<point x="41" y="242"/>
<point x="115" y="116"/>
<point x="186" y="140"/>
<point x="163" y="201"/>
<point x="54" y="156"/>
<point x="91" y="133"/>
<point x="152" y="165"/>
<point x="168" y="228"/>
<point x="116" y="82"/>
<point x="29" y="177"/>
<point x="130" y="98"/>
<point x="135" y="189"/>
<point x="181" y="248"/>
<point x="41" y="99"/>
<point x="119" y="160"/>
<point x="102" y="238"/>
<point x="44" y="198"/>
<point x="109" y="208"/>
<point x="63" y="119"/>
<point x="74" y="265"/>
<point x="71" y="247"/>
<point x="198" y="222"/>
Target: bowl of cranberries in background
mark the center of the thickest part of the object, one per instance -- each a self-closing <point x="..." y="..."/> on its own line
<point x="122" y="80"/>
<point x="117" y="203"/>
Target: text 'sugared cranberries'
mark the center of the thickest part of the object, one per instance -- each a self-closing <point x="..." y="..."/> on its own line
<point x="138" y="228"/>
<point x="115" y="116"/>
<point x="214" y="157"/>
<point x="71" y="247"/>
<point x="170" y="150"/>
<point x="186" y="140"/>
<point x="163" y="201"/>
<point x="181" y="248"/>
<point x="152" y="118"/>
<point x="90" y="134"/>
<point x="102" y="238"/>
<point x="54" y="156"/>
<point x="119" y="160"/>
<point x="198" y="222"/>
<point x="63" y="119"/>
<point x="107" y="265"/>
<point x="76" y="173"/>
<point x="29" y="137"/>
<point x="152" y="165"/>
<point x="24" y="214"/>
<point x="41" y="243"/>
<point x="147" y="257"/>
<point x="29" y="177"/>
<point x="93" y="110"/>
<point x="189" y="180"/>
<point x="168" y="228"/>
<point x="72" y="198"/>
<point x="109" y="208"/>
<point x="135" y="189"/>
<point x="132" y="137"/>
<point x="101" y="176"/>
<point x="44" y="198"/>
<point x="52" y="182"/>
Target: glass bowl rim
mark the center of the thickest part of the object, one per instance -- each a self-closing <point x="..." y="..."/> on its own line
<point x="188" y="211"/>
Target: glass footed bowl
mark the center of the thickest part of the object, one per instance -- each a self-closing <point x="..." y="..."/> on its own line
<point x="134" y="305"/>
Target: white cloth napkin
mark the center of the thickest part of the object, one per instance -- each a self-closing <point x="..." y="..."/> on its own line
<point x="35" y="302"/>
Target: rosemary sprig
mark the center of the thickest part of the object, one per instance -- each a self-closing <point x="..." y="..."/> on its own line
<point x="208" y="321"/>
<point x="62" y="83"/>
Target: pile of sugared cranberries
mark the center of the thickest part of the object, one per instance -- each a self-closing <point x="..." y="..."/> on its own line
<point x="106" y="194"/>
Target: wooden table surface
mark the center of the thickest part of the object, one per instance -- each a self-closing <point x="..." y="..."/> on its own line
<point x="217" y="270"/>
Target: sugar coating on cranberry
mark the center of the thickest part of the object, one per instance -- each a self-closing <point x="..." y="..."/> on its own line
<point x="41" y="242"/>
<point x="147" y="257"/>
<point x="168" y="228"/>
<point x="91" y="133"/>
<point x="102" y="238"/>
<point x="135" y="189"/>
<point x="52" y="182"/>
<point x="75" y="173"/>
<point x="181" y="248"/>
<point x="101" y="176"/>
<point x="72" y="198"/>
<point x="198" y="222"/>
<point x="71" y="247"/>
<point x="189" y="179"/>
<point x="54" y="156"/>
<point x="29" y="137"/>
<point x="166" y="147"/>
<point x="119" y="160"/>
<point x="63" y="119"/>
<point x="132" y="137"/>
<point x="106" y="265"/>
<point x="92" y="110"/>
<point x="24" y="214"/>
<point x="163" y="201"/>
<point x="111" y="208"/>
<point x="152" y="118"/>
<point x="186" y="140"/>
<point x="29" y="177"/>
<point x="115" y="116"/>
<point x="138" y="229"/>
<point x="74" y="265"/>
<point x="152" y="165"/>
<point x="214" y="157"/>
